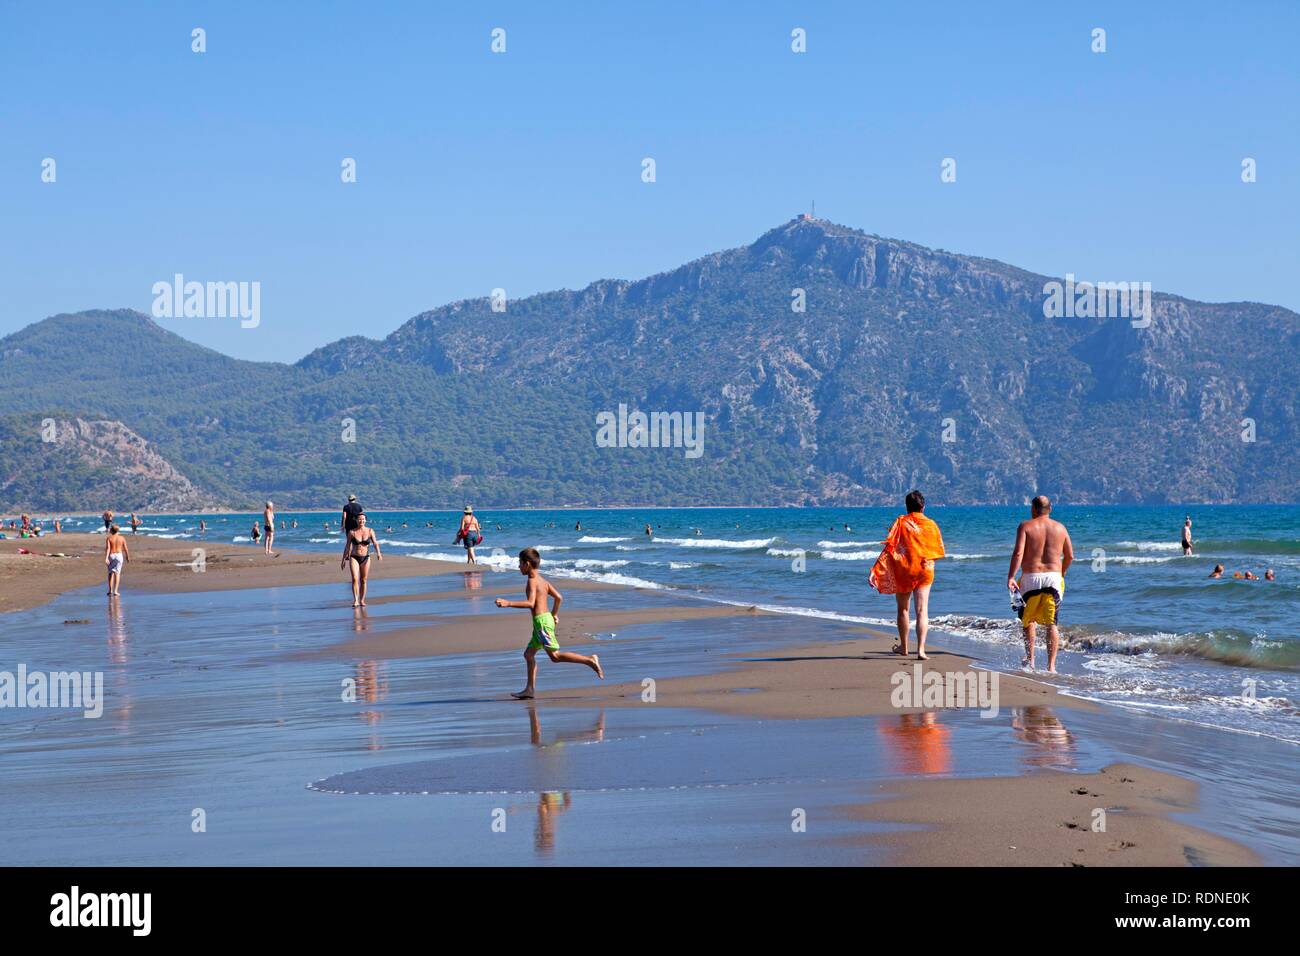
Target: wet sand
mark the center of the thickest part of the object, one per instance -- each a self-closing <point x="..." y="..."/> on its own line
<point x="1042" y="818"/>
<point x="851" y="678"/>
<point x="511" y="628"/>
<point x="1047" y="819"/>
<point x="64" y="562"/>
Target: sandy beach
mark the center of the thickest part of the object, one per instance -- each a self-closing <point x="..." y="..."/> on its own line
<point x="1035" y="818"/>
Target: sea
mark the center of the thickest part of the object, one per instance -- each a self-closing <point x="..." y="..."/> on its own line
<point x="1143" y="627"/>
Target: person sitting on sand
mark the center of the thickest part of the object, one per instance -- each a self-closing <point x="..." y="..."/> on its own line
<point x="356" y="556"/>
<point x="1217" y="572"/>
<point x="1042" y="555"/>
<point x="1187" y="537"/>
<point x="116" y="554"/>
<point x="905" y="569"/>
<point x="544" y="623"/>
<point x="470" y="534"/>
<point x="268" y="522"/>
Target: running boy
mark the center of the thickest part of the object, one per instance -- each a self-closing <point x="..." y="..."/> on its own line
<point x="544" y="623"/>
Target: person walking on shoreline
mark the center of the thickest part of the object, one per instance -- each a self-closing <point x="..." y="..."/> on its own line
<point x="351" y="512"/>
<point x="471" y="533"/>
<point x="905" y="569"/>
<point x="116" y="554"/>
<point x="1042" y="554"/>
<point x="356" y="557"/>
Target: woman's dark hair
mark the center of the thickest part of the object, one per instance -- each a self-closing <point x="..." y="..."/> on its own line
<point x="915" y="501"/>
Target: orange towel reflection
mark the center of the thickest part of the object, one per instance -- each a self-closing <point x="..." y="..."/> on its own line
<point x="917" y="743"/>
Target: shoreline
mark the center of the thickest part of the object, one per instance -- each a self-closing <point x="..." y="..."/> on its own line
<point x="804" y="680"/>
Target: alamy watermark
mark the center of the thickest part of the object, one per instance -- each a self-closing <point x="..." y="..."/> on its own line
<point x="636" y="429"/>
<point x="71" y="690"/>
<point x="930" y="689"/>
<point x="1101" y="300"/>
<point x="208" y="300"/>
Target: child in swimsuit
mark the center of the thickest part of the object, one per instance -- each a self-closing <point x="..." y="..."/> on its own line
<point x="544" y="623"/>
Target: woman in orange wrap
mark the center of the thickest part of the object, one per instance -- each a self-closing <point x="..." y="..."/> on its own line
<point x="905" y="569"/>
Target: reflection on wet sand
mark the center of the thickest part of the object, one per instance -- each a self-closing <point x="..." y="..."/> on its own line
<point x="1051" y="744"/>
<point x="552" y="803"/>
<point x="549" y="806"/>
<point x="360" y="620"/>
<point x="118" y="681"/>
<point x="116" y="632"/>
<point x="473" y="580"/>
<point x="372" y="687"/>
<point x="917" y="744"/>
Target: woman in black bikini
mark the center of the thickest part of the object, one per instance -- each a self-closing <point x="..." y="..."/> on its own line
<point x="356" y="554"/>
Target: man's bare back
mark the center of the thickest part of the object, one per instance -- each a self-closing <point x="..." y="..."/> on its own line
<point x="1046" y="545"/>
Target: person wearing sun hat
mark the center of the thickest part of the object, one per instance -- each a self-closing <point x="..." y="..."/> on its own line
<point x="470" y="534"/>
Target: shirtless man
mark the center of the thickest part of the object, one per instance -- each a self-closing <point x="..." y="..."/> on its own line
<point x="268" y="525"/>
<point x="1187" y="537"/>
<point x="116" y="554"/>
<point x="1043" y="553"/>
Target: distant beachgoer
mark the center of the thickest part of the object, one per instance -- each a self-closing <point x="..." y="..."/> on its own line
<point x="108" y="520"/>
<point x="257" y="533"/>
<point x="545" y="622"/>
<point x="905" y="569"/>
<point x="1043" y="554"/>
<point x="27" y="523"/>
<point x="1217" y="572"/>
<point x="356" y="557"/>
<point x="1250" y="576"/>
<point x="268" y="522"/>
<point x="135" y="523"/>
<point x="470" y="534"/>
<point x="203" y="526"/>
<point x="698" y="532"/>
<point x="649" y="531"/>
<point x="351" y="512"/>
<point x="1187" y="537"/>
<point x="116" y="554"/>
<point x="578" y="526"/>
<point x="1269" y="575"/>
<point x="294" y="523"/>
<point x="58" y="528"/>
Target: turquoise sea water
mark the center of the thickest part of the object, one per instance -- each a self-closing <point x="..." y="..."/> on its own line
<point x="1143" y="626"/>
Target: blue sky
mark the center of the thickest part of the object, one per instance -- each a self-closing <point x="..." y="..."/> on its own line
<point x="522" y="170"/>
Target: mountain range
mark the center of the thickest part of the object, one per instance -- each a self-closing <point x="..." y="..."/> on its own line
<point x="907" y="367"/>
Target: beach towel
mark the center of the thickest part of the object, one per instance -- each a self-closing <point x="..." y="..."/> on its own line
<point x="907" y="557"/>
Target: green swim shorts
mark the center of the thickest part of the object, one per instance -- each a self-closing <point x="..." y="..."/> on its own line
<point x="544" y="632"/>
